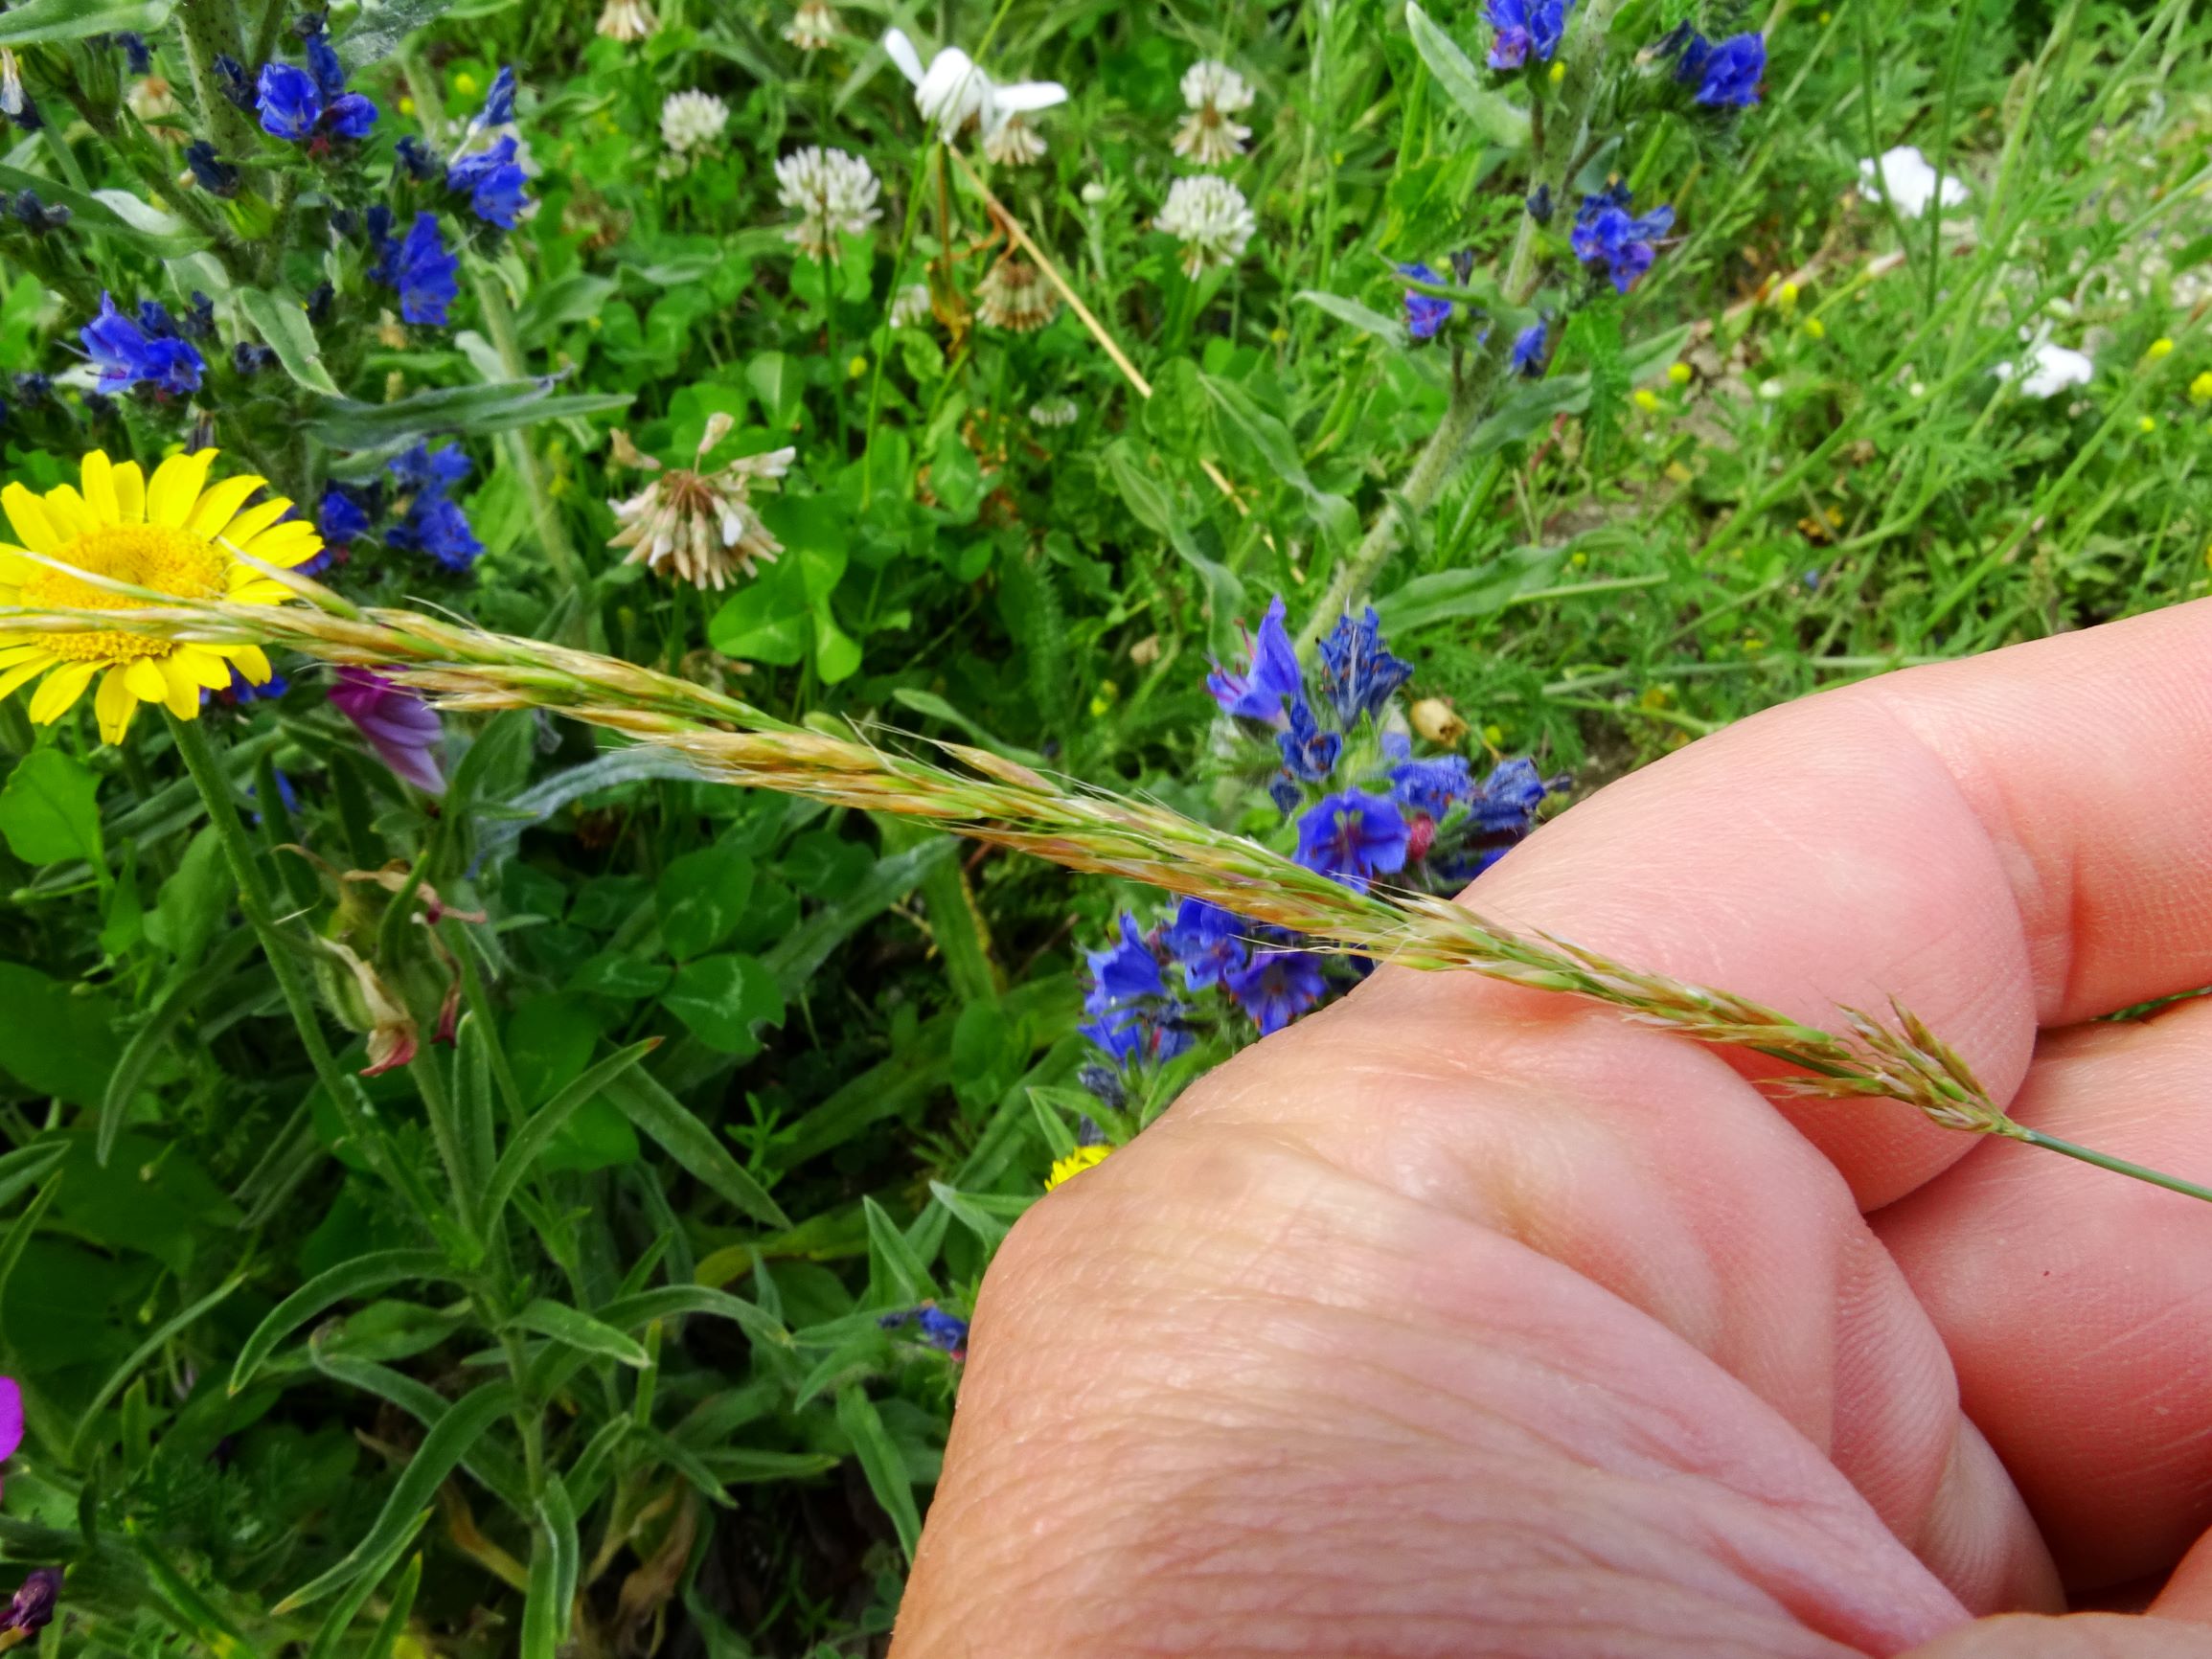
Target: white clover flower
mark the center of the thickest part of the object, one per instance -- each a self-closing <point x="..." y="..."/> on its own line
<point x="2050" y="370"/>
<point x="813" y="26"/>
<point x="628" y="21"/>
<point x="1013" y="143"/>
<point x="833" y="193"/>
<point x="910" y="306"/>
<point x="1014" y="295"/>
<point x="1054" y="412"/>
<point x="1906" y="174"/>
<point x="1213" y="92"/>
<point x="692" y="119"/>
<point x="952" y="91"/>
<point x="701" y="527"/>
<point x="1210" y="218"/>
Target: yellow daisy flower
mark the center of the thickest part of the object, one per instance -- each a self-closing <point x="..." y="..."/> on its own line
<point x="1067" y="1169"/>
<point x="175" y="534"/>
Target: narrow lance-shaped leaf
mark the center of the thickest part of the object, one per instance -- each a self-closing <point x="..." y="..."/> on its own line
<point x="537" y="1134"/>
<point x="881" y="1463"/>
<point x="349" y="1605"/>
<point x="1494" y="116"/>
<point x="579" y="1330"/>
<point x="363" y="1276"/>
<point x="663" y="1119"/>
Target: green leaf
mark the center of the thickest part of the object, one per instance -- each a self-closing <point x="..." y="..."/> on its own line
<point x="1154" y="508"/>
<point x="174" y="1325"/>
<point x="537" y="1134"/>
<point x="881" y="1462"/>
<point x="48" y="808"/>
<point x="563" y="1324"/>
<point x="52" y="1040"/>
<point x="769" y="621"/>
<point x="978" y="1212"/>
<point x="441" y="1448"/>
<point x="282" y="321"/>
<point x="548" y="1604"/>
<point x="26" y="1164"/>
<point x="384" y="1643"/>
<point x="363" y="1276"/>
<point x="349" y="1605"/>
<point x="492" y="1467"/>
<point x="660" y="1117"/>
<point x="45" y="20"/>
<point x="955" y="479"/>
<point x="1498" y="119"/>
<point x="107" y="213"/>
<point x="498" y="406"/>
<point x="701" y="898"/>
<point x="627" y="1312"/>
<point x="892" y="1262"/>
<point x="1389" y="330"/>
<point x="721" y="998"/>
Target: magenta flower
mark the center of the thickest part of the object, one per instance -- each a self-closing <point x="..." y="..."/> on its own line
<point x="11" y="1418"/>
<point x="401" y="726"/>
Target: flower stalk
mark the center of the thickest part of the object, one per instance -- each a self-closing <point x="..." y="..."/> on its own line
<point x="998" y="801"/>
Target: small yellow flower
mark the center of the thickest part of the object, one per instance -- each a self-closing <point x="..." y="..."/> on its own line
<point x="1558" y="73"/>
<point x="2160" y="348"/>
<point x="1816" y="328"/>
<point x="1646" y="400"/>
<point x="2200" y="388"/>
<point x="1493" y="736"/>
<point x="168" y="534"/>
<point x="1785" y="297"/>
<point x="857" y="368"/>
<point x="1067" y="1169"/>
<point x="464" y="83"/>
<point x="2146" y="424"/>
<point x="406" y="104"/>
<point x="1678" y="374"/>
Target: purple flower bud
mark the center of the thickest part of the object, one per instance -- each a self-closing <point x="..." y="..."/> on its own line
<point x="32" y="1609"/>
<point x="401" y="728"/>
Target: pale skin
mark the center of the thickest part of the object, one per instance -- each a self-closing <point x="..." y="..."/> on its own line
<point x="1461" y="1320"/>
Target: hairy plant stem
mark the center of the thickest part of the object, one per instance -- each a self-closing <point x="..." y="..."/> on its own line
<point x="208" y="30"/>
<point x="1555" y="139"/>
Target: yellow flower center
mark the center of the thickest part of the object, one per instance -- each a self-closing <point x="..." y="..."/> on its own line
<point x="152" y="555"/>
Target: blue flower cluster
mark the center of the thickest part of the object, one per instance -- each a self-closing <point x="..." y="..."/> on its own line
<point x="430" y="520"/>
<point x="1425" y="315"/>
<point x="1611" y="240"/>
<point x="417" y="266"/>
<point x="493" y="178"/>
<point x="1526" y="28"/>
<point x="151" y="351"/>
<point x="1726" y="74"/>
<point x="299" y="105"/>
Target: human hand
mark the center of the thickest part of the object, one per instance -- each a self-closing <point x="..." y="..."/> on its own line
<point x="1460" y="1319"/>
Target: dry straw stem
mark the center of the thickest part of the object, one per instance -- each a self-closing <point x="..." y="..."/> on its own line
<point x="996" y="800"/>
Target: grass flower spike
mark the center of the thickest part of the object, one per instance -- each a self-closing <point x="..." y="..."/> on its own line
<point x="174" y="533"/>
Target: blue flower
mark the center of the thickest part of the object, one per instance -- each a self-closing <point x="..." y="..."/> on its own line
<point x="36" y="215"/>
<point x="1728" y="73"/>
<point x="1608" y="238"/>
<point x="1257" y="692"/>
<point x="1309" y="753"/>
<point x="1358" y="671"/>
<point x="1207" y="940"/>
<point x="499" y="102"/>
<point x="493" y="182"/>
<point x="1506" y="802"/>
<point x="341" y="517"/>
<point x="232" y="82"/>
<point x="323" y="62"/>
<point x="1540" y="204"/>
<point x="1123" y="973"/>
<point x="1431" y="787"/>
<point x="1353" y="836"/>
<point x="1277" y="986"/>
<point x="127" y="356"/>
<point x="1137" y="1035"/>
<point x="424" y="468"/>
<point x="946" y="1333"/>
<point x="1528" y="348"/>
<point x="250" y="357"/>
<point x="433" y="523"/>
<point x="1524" y="27"/>
<point x="137" y="55"/>
<point x="349" y="116"/>
<point x="289" y="103"/>
<point x="418" y="161"/>
<point x="1424" y="313"/>
<point x="423" y="271"/>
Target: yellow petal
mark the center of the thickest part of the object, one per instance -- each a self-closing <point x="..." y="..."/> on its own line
<point x="65" y="512"/>
<point x="251" y="662"/>
<point x="175" y="487"/>
<point x="199" y="664"/>
<point x="10" y="655"/>
<point x="291" y="543"/>
<point x="129" y="493"/>
<point x="262" y="593"/>
<point x="99" y="474"/>
<point x="254" y="519"/>
<point x="114" y="703"/>
<point x="29" y="669"/>
<point x="143" y="674"/>
<point x="28" y="515"/>
<point x="219" y="505"/>
<point x="14" y="569"/>
<point x="59" y="692"/>
<point x="183" y="690"/>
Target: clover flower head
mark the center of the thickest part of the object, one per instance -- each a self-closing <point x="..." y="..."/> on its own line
<point x="1054" y="412"/>
<point x="1610" y="238"/>
<point x="1213" y="92"/>
<point x="1276" y="986"/>
<point x="910" y="306"/>
<point x="813" y="26"/>
<point x="1014" y="295"/>
<point x="1424" y="313"/>
<point x="1210" y="218"/>
<point x="1272" y="674"/>
<point x="1727" y="73"/>
<point x="692" y="119"/>
<point x="833" y="193"/>
<point x="1525" y="28"/>
<point x="1012" y="143"/>
<point x="173" y="534"/>
<point x="1353" y="836"/>
<point x="701" y="527"/>
<point x="493" y="182"/>
<point x="628" y="21"/>
<point x="126" y="353"/>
